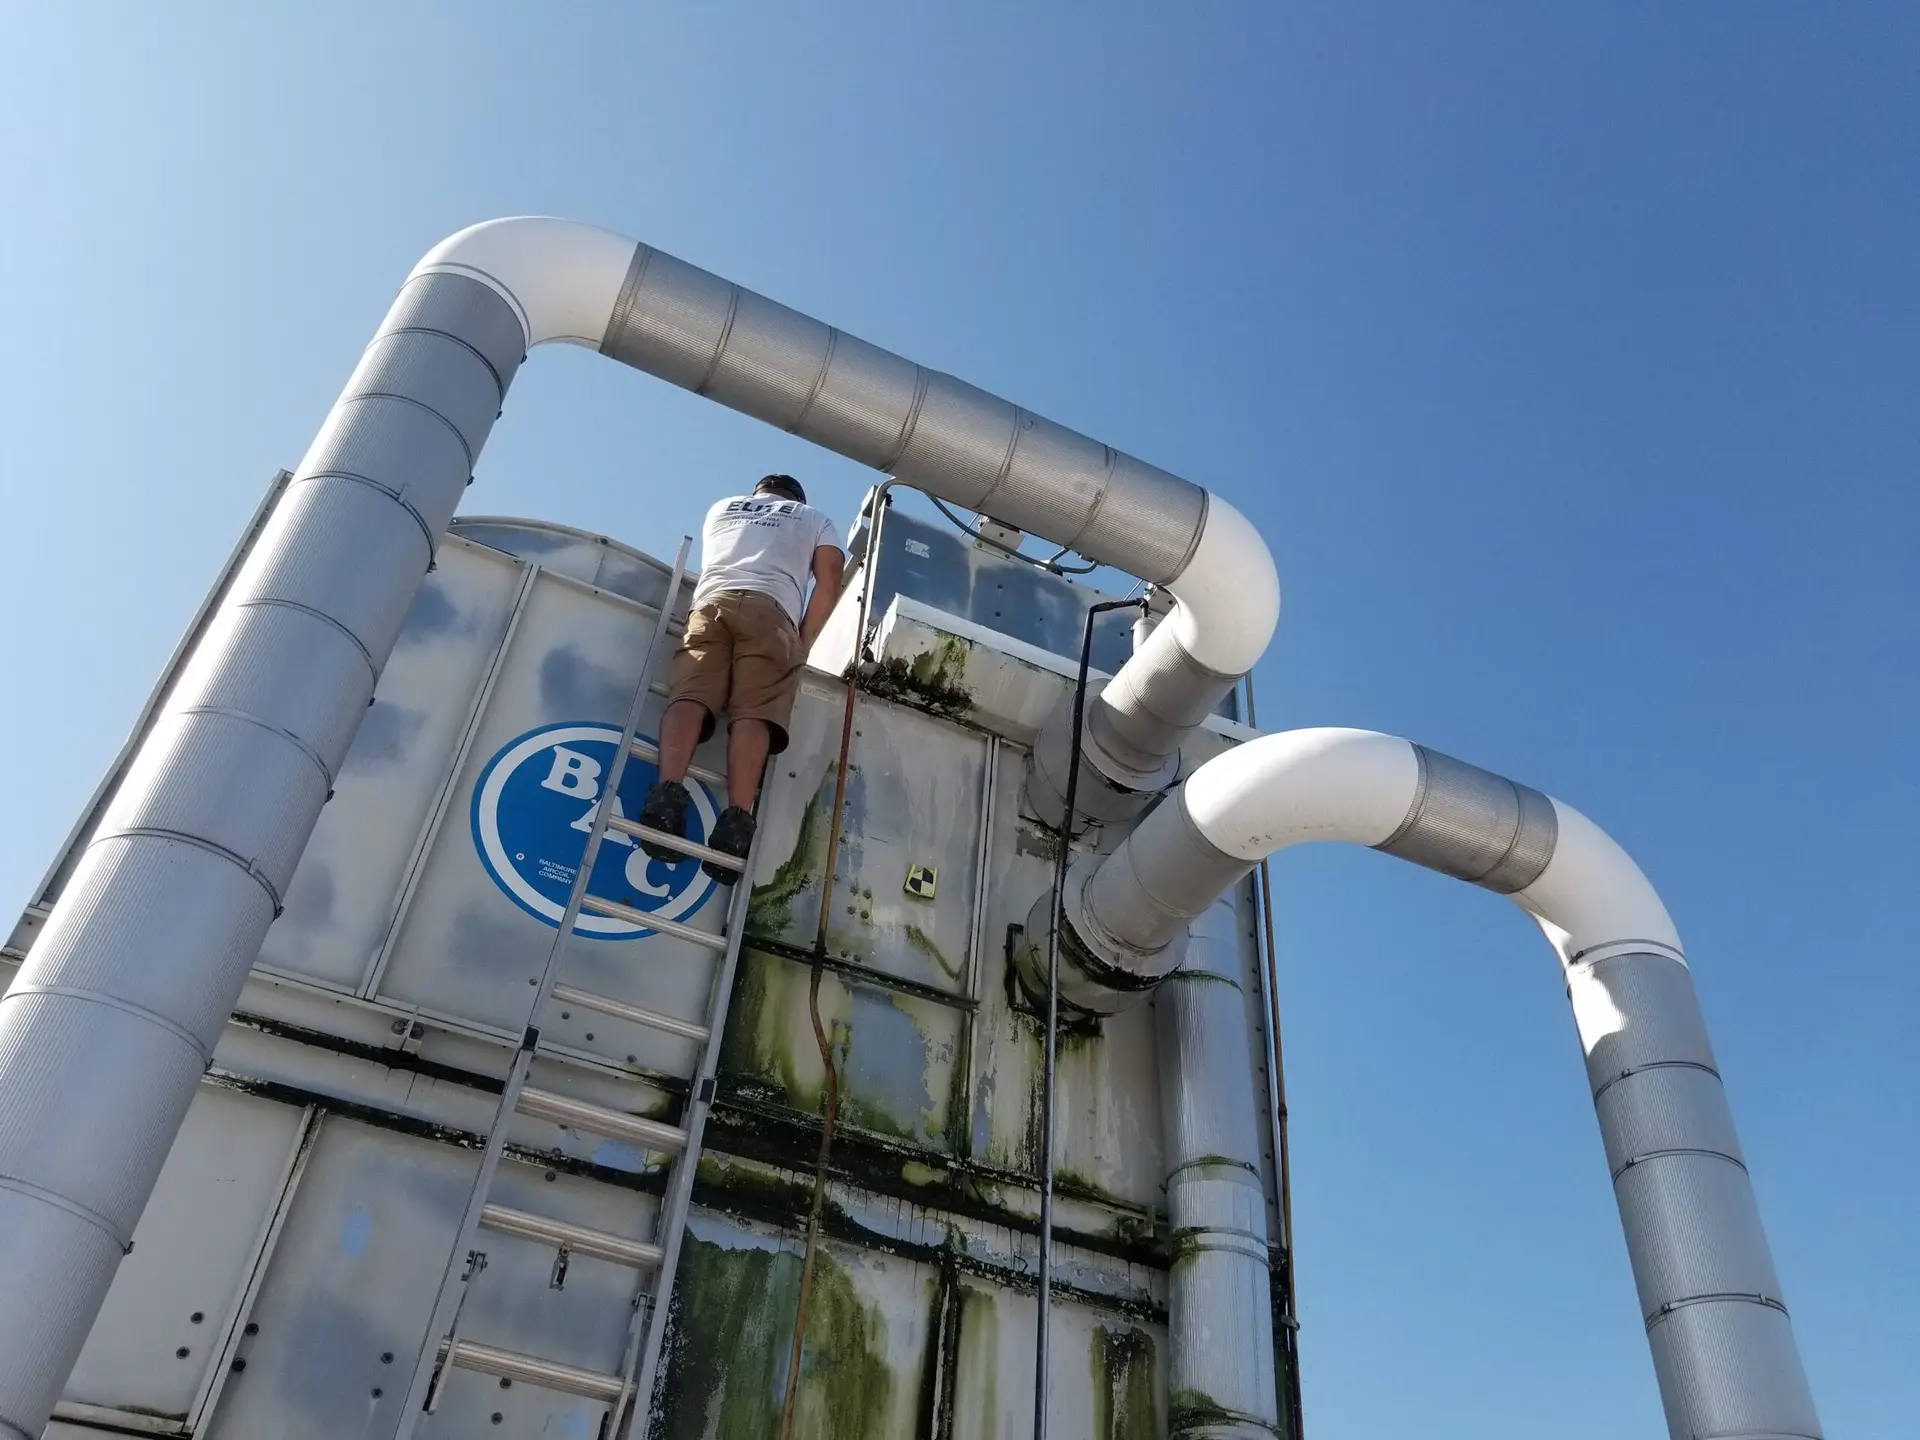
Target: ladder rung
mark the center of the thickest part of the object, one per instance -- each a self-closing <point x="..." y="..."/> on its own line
<point x="676" y="842"/>
<point x="620" y="1010"/>
<point x="647" y="750"/>
<point x="614" y="910"/>
<point x="548" y="1374"/>
<point x="601" y="1244"/>
<point x="598" y="1120"/>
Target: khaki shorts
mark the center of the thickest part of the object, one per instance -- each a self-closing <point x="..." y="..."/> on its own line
<point x="741" y="654"/>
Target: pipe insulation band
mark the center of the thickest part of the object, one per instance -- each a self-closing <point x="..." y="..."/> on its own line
<point x="107" y="1030"/>
<point x="1475" y="825"/>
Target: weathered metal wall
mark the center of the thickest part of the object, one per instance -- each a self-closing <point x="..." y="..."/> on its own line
<point x="283" y="1271"/>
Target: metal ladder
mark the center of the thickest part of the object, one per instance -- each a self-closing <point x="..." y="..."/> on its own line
<point x="444" y="1348"/>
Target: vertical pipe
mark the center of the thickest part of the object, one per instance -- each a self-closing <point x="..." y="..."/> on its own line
<point x="112" y="1020"/>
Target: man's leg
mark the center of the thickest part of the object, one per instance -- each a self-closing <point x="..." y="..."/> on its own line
<point x="696" y="691"/>
<point x="747" y="744"/>
<point x="680" y="731"/>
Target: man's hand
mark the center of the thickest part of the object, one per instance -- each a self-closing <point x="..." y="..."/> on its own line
<point x="829" y="571"/>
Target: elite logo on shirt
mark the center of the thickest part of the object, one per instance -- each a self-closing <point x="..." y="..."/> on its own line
<point x="532" y="808"/>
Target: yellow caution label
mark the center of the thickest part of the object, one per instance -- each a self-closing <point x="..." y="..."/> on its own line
<point x="920" y="881"/>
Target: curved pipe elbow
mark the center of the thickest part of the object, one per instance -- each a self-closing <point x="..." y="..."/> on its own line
<point x="1388" y="794"/>
<point x="1228" y="594"/>
<point x="562" y="278"/>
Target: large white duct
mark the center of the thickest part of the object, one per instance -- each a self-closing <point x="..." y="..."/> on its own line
<point x="1723" y="1348"/>
<point x="108" y="1027"/>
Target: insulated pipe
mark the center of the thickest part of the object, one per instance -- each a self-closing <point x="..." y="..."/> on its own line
<point x="1722" y="1346"/>
<point x="1220" y="1365"/>
<point x="112" y="1020"/>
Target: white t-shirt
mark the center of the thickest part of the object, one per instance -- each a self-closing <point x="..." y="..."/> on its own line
<point x="764" y="544"/>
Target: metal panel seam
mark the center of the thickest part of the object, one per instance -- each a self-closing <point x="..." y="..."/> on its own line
<point x="72" y="1207"/>
<point x="498" y="384"/>
<point x="922" y="382"/>
<point x="358" y="644"/>
<point x="386" y="490"/>
<point x="819" y="381"/>
<point x="465" y="448"/>
<point x="160" y="832"/>
<point x="720" y="345"/>
<point x="1716" y="1297"/>
<point x="622" y="315"/>
<point x="111" y="1002"/>
<point x="1633" y="1160"/>
<point x="251" y="719"/>
<point x="1628" y="1074"/>
<point x="1199" y="529"/>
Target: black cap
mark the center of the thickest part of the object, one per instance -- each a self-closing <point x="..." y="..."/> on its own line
<point x="783" y="485"/>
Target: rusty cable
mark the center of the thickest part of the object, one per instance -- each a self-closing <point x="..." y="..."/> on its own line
<point x="871" y="567"/>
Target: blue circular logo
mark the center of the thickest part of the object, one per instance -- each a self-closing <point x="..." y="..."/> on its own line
<point x="532" y="808"/>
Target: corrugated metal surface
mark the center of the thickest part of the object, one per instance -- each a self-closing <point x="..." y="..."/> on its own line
<point x="381" y="1017"/>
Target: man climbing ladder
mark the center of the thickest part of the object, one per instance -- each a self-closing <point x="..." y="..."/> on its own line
<point x="748" y="633"/>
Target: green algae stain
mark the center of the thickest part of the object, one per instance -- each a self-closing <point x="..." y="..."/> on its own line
<point x="977" y="1366"/>
<point x="923" y="942"/>
<point x="770" y="907"/>
<point x="933" y="680"/>
<point x="1122" y="1361"/>
<point x="732" y="1318"/>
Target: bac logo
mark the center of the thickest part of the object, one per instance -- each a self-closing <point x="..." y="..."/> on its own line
<point x="533" y="806"/>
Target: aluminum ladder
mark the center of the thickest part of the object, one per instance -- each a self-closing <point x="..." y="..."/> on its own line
<point x="444" y="1348"/>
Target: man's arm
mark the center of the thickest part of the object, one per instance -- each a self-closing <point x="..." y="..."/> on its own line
<point x="829" y="569"/>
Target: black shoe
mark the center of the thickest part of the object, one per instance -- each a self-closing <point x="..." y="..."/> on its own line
<point x="732" y="835"/>
<point x="666" y="809"/>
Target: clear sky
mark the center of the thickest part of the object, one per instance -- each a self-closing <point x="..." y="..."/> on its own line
<point x="1565" y="353"/>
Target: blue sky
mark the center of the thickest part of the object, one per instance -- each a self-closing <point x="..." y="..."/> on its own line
<point x="1565" y="354"/>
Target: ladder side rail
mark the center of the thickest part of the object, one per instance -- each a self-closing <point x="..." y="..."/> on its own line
<point x="452" y="1285"/>
<point x="678" y="1200"/>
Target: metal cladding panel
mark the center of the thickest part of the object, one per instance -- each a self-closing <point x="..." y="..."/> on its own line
<point x="177" y="1298"/>
<point x="873" y="1326"/>
<point x="603" y="563"/>
<point x="489" y="886"/>
<point x="896" y="1055"/>
<point x="1108" y="1371"/>
<point x="915" y="801"/>
<point x="344" y="895"/>
<point x="1745" y="1374"/>
<point x="1107" y="1141"/>
<point x="343" y="1305"/>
